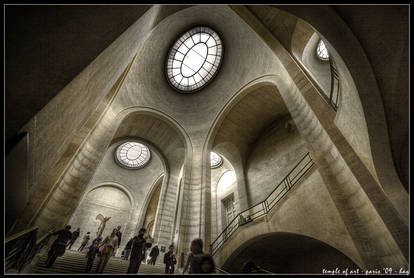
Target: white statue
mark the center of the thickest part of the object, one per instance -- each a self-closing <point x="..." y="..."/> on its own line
<point x="102" y="225"/>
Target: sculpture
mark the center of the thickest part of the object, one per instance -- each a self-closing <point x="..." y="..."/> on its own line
<point x="102" y="225"/>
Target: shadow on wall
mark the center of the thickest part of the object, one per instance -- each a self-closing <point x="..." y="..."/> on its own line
<point x="288" y="253"/>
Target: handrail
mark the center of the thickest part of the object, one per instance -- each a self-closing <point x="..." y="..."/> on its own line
<point x="334" y="77"/>
<point x="48" y="234"/>
<point x="333" y="100"/>
<point x="19" y="234"/>
<point x="264" y="270"/>
<point x="22" y="247"/>
<point x="265" y="206"/>
<point x="18" y="247"/>
<point x="222" y="271"/>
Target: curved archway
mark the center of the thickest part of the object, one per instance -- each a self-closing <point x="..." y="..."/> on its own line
<point x="109" y="199"/>
<point x="318" y="138"/>
<point x="352" y="60"/>
<point x="289" y="253"/>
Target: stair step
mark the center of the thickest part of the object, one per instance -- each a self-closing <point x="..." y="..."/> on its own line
<point x="75" y="262"/>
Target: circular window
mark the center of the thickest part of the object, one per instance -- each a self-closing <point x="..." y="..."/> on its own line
<point x="133" y="155"/>
<point x="194" y="59"/>
<point x="215" y="160"/>
<point x="322" y="51"/>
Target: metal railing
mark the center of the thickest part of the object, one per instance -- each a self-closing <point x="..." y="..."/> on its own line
<point x="21" y="248"/>
<point x="219" y="270"/>
<point x="262" y="208"/>
<point x="335" y="88"/>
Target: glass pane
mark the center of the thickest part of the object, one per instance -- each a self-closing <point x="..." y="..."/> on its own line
<point x="191" y="59"/>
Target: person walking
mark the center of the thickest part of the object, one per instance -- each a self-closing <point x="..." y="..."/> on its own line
<point x="127" y="249"/>
<point x="194" y="259"/>
<point x="119" y="235"/>
<point x="93" y="250"/>
<point x="75" y="235"/>
<point x="137" y="252"/>
<point x="59" y="245"/>
<point x="84" y="241"/>
<point x="207" y="264"/>
<point x="106" y="247"/>
<point x="154" y="254"/>
<point x="170" y="260"/>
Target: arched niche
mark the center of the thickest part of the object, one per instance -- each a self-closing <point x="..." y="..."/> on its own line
<point x="110" y="200"/>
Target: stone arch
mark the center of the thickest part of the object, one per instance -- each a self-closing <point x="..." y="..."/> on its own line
<point x="85" y="212"/>
<point x="380" y="206"/>
<point x="158" y="182"/>
<point x="278" y="252"/>
<point x="351" y="58"/>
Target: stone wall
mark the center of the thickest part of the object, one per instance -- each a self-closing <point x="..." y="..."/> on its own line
<point x="275" y="154"/>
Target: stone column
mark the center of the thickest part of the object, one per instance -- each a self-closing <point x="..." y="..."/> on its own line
<point x="164" y="222"/>
<point x="372" y="239"/>
<point x="195" y="211"/>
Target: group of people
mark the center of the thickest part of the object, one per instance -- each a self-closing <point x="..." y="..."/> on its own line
<point x="104" y="248"/>
<point x="198" y="261"/>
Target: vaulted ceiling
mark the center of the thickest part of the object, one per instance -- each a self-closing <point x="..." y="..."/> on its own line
<point x="46" y="46"/>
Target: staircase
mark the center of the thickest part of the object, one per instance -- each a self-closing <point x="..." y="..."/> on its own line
<point x="75" y="262"/>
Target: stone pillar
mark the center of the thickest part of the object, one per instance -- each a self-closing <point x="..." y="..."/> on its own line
<point x="164" y="222"/>
<point x="372" y="239"/>
<point x="195" y="208"/>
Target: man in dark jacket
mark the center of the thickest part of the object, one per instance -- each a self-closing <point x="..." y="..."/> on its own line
<point x="75" y="235"/>
<point x="128" y="247"/>
<point x="59" y="245"/>
<point x="137" y="252"/>
<point x="154" y="254"/>
<point x="91" y="256"/>
<point x="170" y="260"/>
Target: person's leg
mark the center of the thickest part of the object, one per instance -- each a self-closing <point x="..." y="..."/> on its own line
<point x="166" y="268"/>
<point x="81" y="247"/>
<point x="172" y="269"/>
<point x="132" y="265"/>
<point x="99" y="265"/>
<point x="71" y="243"/>
<point x="106" y="259"/>
<point x="88" y="267"/>
<point x="138" y="265"/>
<point x="52" y="259"/>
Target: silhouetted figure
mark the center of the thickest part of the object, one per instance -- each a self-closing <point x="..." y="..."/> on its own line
<point x="250" y="267"/>
<point x="194" y="259"/>
<point x="106" y="247"/>
<point x="170" y="260"/>
<point x="84" y="241"/>
<point x="207" y="264"/>
<point x="119" y="235"/>
<point x="127" y="249"/>
<point x="93" y="250"/>
<point x="59" y="245"/>
<point x="154" y="254"/>
<point x="137" y="252"/>
<point x="75" y="235"/>
<point x="98" y="240"/>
